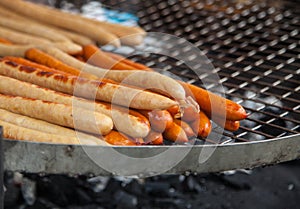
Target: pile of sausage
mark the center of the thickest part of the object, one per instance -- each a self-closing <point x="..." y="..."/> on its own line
<point x="55" y="80"/>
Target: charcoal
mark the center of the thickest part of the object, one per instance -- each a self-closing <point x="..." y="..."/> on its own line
<point x="227" y="191"/>
<point x="235" y="182"/>
<point x="145" y="203"/>
<point x="98" y="183"/>
<point x="17" y="178"/>
<point x="125" y="200"/>
<point x="105" y="201"/>
<point x="124" y="180"/>
<point x="28" y="189"/>
<point x="85" y="207"/>
<point x="180" y="203"/>
<point x="58" y="189"/>
<point x="226" y="205"/>
<point x="135" y="187"/>
<point x="82" y="196"/>
<point x="111" y="187"/>
<point x="170" y="203"/>
<point x="191" y="185"/>
<point x="12" y="195"/>
<point x="158" y="189"/>
<point x="41" y="203"/>
<point x="46" y="203"/>
<point x="291" y="187"/>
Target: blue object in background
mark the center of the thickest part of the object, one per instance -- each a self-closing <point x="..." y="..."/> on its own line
<point x="100" y="12"/>
<point x="120" y="17"/>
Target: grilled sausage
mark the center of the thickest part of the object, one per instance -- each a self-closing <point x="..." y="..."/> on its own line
<point x="103" y="91"/>
<point x="12" y="131"/>
<point x="59" y="114"/>
<point x="159" y="119"/>
<point x="202" y="126"/>
<point x="49" y="128"/>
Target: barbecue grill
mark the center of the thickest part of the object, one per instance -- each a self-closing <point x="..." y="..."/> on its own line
<point x="254" y="48"/>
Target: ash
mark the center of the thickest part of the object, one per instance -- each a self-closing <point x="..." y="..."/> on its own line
<point x="270" y="187"/>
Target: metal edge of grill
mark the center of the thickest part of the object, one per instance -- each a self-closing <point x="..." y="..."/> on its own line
<point x="71" y="159"/>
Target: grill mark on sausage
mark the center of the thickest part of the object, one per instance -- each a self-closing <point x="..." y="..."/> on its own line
<point x="13" y="64"/>
<point x="44" y="73"/>
<point x="27" y="69"/>
<point x="140" y="117"/>
<point x="84" y="81"/>
<point x="61" y="78"/>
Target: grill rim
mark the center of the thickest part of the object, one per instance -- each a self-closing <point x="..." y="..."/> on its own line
<point x="73" y="160"/>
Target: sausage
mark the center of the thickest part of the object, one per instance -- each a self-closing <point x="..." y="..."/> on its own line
<point x="202" y="126"/>
<point x="60" y="114"/>
<point x="154" y="138"/>
<point x="228" y="125"/>
<point x="134" y="65"/>
<point x="108" y="92"/>
<point x="14" y="50"/>
<point x="12" y="131"/>
<point x="19" y="50"/>
<point x="128" y="35"/>
<point x="43" y="126"/>
<point x="117" y="138"/>
<point x="233" y="110"/>
<point x="27" y="39"/>
<point x="75" y="37"/>
<point x="5" y="41"/>
<point x="175" y="111"/>
<point x="144" y="79"/>
<point x="189" y="114"/>
<point x="61" y="19"/>
<point x="186" y="127"/>
<point x="33" y="28"/>
<point x="175" y="133"/>
<point x="209" y="102"/>
<point x="44" y="59"/>
<point x="22" y="61"/>
<point x="21" y="38"/>
<point x="131" y="123"/>
<point x="94" y="56"/>
<point x="204" y="98"/>
<point x="159" y="119"/>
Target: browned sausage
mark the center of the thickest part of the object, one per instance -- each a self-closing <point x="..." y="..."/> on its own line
<point x="186" y="127"/>
<point x="131" y="123"/>
<point x="175" y="133"/>
<point x="108" y="92"/>
<point x="117" y="138"/>
<point x="209" y="101"/>
<point x="159" y="119"/>
<point x="228" y="125"/>
<point x="202" y="126"/>
<point x="59" y="114"/>
<point x="154" y="138"/>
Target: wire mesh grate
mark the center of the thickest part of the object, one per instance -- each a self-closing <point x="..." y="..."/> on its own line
<point x="253" y="45"/>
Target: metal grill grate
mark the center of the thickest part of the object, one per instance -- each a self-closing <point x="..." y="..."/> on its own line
<point x="253" y="45"/>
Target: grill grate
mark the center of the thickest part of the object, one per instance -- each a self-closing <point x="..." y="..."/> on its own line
<point x="254" y="47"/>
